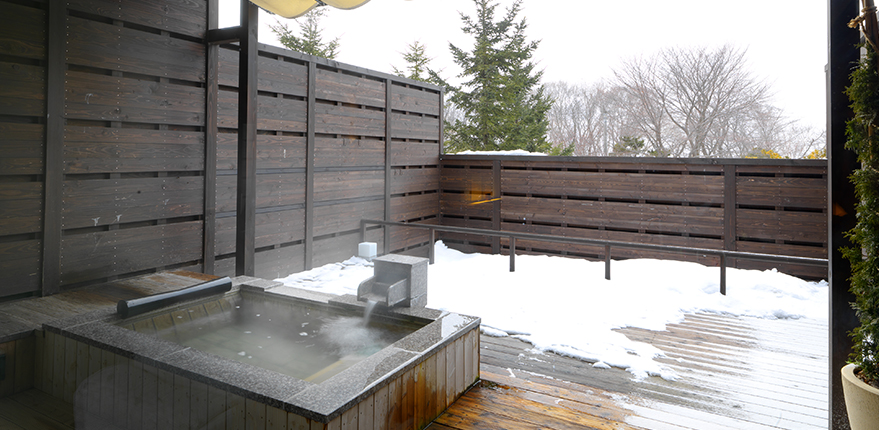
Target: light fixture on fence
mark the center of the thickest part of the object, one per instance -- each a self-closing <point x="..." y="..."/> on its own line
<point x="295" y="8"/>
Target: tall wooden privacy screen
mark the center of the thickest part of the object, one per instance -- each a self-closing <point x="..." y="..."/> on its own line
<point x="104" y="139"/>
<point x="763" y="206"/>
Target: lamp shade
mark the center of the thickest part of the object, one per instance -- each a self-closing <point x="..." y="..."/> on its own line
<point x="345" y="4"/>
<point x="295" y="8"/>
<point x="286" y="8"/>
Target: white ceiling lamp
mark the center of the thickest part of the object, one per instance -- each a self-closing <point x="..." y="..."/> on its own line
<point x="295" y="8"/>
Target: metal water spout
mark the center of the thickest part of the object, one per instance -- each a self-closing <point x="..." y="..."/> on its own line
<point x="398" y="280"/>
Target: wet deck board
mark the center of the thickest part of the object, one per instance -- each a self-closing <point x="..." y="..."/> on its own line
<point x="734" y="373"/>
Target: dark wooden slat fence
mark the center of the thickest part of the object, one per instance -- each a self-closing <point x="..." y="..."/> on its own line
<point x="129" y="165"/>
<point x="762" y="206"/>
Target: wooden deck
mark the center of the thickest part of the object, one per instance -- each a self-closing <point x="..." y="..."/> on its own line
<point x="734" y="373"/>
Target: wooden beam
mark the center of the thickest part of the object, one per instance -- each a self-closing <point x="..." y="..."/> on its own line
<point x="212" y="58"/>
<point x="245" y="233"/>
<point x="309" y="165"/>
<point x="54" y="161"/>
<point x="842" y="54"/>
<point x="219" y="36"/>
<point x="388" y="158"/>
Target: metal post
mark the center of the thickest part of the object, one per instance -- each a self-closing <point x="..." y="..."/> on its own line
<point x="245" y="228"/>
<point x="723" y="274"/>
<point x="842" y="54"/>
<point x="362" y="231"/>
<point x="431" y="253"/>
<point x="512" y="254"/>
<point x="607" y="262"/>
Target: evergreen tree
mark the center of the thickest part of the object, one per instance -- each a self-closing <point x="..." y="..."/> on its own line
<point x="310" y="40"/>
<point x="502" y="102"/>
<point x="416" y="63"/>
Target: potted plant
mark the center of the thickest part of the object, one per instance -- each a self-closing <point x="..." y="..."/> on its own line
<point x="861" y="376"/>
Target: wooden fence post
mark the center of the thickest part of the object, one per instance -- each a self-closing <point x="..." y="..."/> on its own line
<point x="54" y="157"/>
<point x="729" y="209"/>
<point x="212" y="58"/>
<point x="496" y="204"/>
<point x="309" y="164"/>
<point x="245" y="232"/>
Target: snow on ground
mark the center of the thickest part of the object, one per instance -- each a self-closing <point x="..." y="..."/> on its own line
<point x="565" y="305"/>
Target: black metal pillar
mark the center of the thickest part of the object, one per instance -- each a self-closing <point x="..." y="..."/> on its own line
<point x="247" y="105"/>
<point x="842" y="55"/>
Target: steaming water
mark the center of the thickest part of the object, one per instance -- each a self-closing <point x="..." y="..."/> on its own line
<point x="367" y="312"/>
<point x="308" y="344"/>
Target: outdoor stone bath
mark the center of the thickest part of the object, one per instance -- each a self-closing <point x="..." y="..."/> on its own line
<point x="118" y="369"/>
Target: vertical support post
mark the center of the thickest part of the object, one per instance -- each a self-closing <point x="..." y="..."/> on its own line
<point x="496" y="205"/>
<point x="311" y="122"/>
<point x="245" y="231"/>
<point x="842" y="54"/>
<point x="388" y="159"/>
<point x="362" y="231"/>
<point x="212" y="88"/>
<point x="512" y="254"/>
<point x="607" y="262"/>
<point x="54" y="162"/>
<point x="723" y="274"/>
<point x="729" y="207"/>
<point x="431" y="253"/>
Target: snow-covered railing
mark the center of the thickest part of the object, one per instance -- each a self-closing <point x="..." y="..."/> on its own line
<point x="608" y="244"/>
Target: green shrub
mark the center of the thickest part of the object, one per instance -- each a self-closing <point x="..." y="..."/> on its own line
<point x="862" y="134"/>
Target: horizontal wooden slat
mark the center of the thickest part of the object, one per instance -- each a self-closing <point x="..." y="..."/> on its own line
<point x="340" y="87"/>
<point x="479" y="181"/>
<point x="107" y="46"/>
<point x="177" y="16"/>
<point x="20" y="266"/>
<point x="272" y="228"/>
<point x="275" y="76"/>
<point x="783" y="192"/>
<point x="650" y="217"/>
<point x="782" y="225"/>
<point x="329" y="219"/>
<point x="21" y="149"/>
<point x="23" y="36"/>
<point x="465" y="205"/>
<point x="89" y="203"/>
<point x="121" y="150"/>
<point x="21" y="207"/>
<point x="272" y="151"/>
<point x="402" y="238"/>
<point x="24" y="89"/>
<point x="338" y="185"/>
<point x="414" y="154"/>
<point x="348" y="121"/>
<point x="415" y="100"/>
<point x="415" y="206"/>
<point x="272" y="189"/>
<point x="279" y="262"/>
<point x="334" y="249"/>
<point x="330" y="152"/>
<point x="414" y="180"/>
<point x="107" y="98"/>
<point x="97" y="255"/>
<point x="636" y="186"/>
<point x="620" y="236"/>
<point x="273" y="113"/>
<point x="414" y="127"/>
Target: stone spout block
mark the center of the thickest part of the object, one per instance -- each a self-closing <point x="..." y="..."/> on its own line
<point x="398" y="280"/>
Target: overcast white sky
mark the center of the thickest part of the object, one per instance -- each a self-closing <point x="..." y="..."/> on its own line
<point x="583" y="40"/>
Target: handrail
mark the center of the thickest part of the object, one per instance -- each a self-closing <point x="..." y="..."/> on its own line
<point x="608" y="244"/>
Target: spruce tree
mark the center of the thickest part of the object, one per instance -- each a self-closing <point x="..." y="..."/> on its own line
<point x="416" y="63"/>
<point x="310" y="40"/>
<point x="502" y="102"/>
